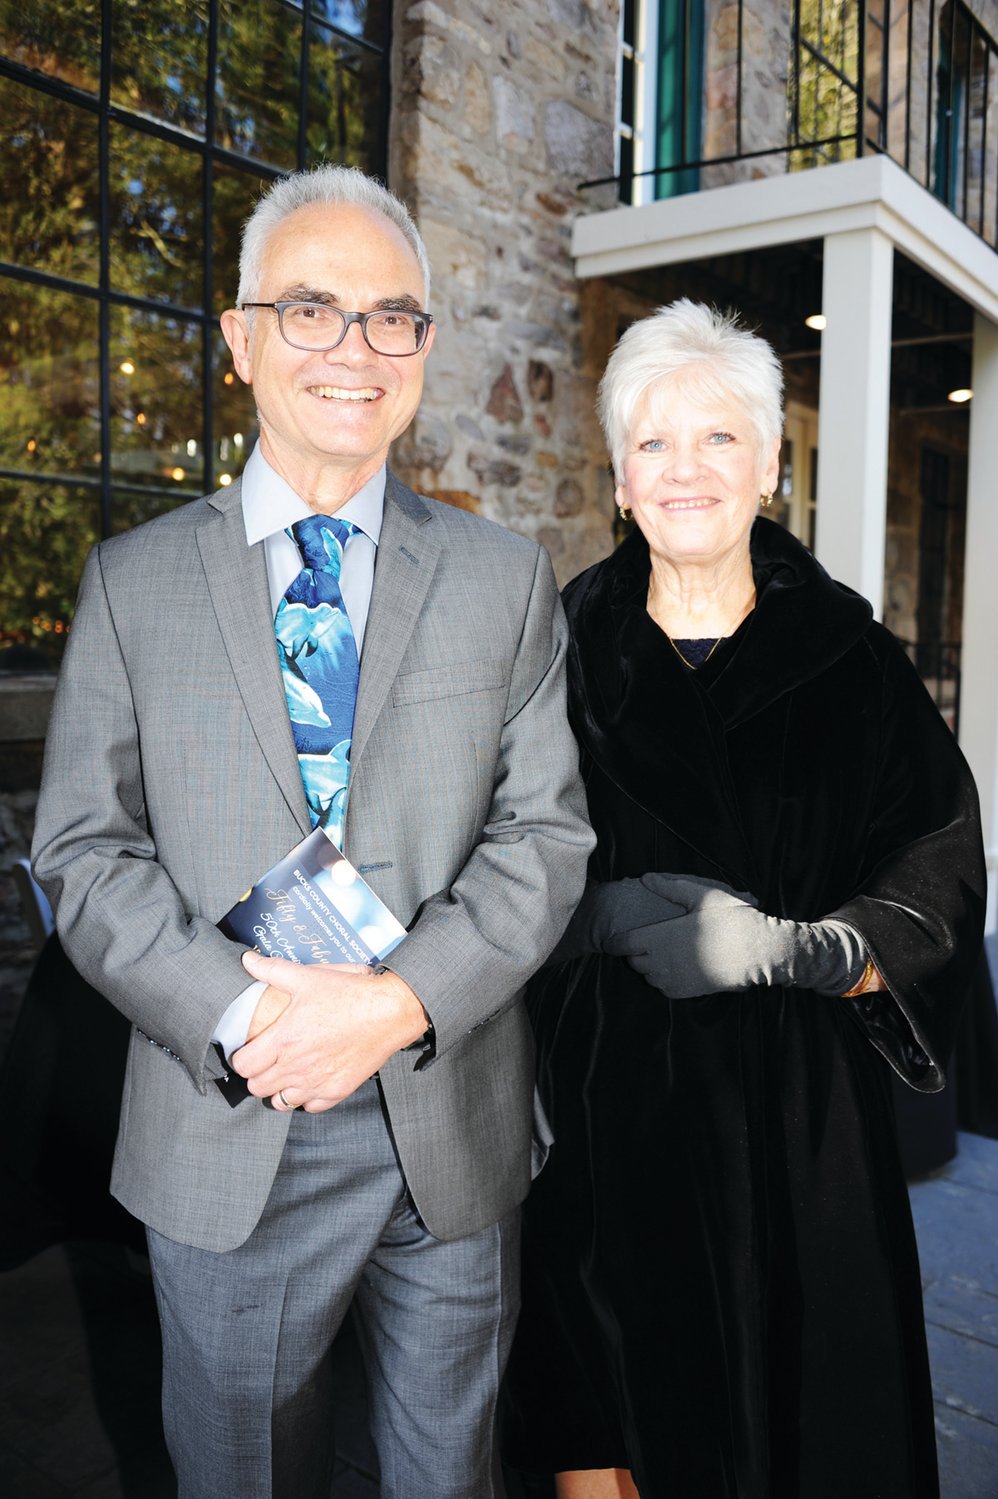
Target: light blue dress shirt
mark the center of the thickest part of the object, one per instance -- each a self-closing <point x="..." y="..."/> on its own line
<point x="270" y="505"/>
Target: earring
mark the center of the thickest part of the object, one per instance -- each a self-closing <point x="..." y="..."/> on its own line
<point x="626" y="513"/>
<point x="767" y="500"/>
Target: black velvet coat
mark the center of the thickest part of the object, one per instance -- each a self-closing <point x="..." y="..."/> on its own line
<point x="721" y="1286"/>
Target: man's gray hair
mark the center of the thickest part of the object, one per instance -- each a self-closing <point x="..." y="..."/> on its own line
<point x="328" y="185"/>
<point x="723" y="359"/>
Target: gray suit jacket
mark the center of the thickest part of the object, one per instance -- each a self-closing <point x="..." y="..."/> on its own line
<point x="171" y="783"/>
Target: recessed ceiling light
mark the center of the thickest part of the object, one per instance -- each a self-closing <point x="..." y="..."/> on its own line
<point x="817" y="320"/>
<point x="959" y="396"/>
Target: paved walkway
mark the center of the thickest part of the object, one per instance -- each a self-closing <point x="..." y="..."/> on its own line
<point x="956" y="1220"/>
<point x="80" y="1367"/>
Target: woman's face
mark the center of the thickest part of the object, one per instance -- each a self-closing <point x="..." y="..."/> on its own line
<point x="693" y="473"/>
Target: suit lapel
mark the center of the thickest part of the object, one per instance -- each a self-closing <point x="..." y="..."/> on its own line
<point x="236" y="577"/>
<point x="407" y="560"/>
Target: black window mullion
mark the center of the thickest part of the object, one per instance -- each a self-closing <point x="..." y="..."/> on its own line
<point x="207" y="266"/>
<point x="115" y="124"/>
<point x="303" y="56"/>
<point x="104" y="279"/>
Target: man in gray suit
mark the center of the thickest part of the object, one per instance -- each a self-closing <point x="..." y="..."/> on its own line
<point x="386" y="1141"/>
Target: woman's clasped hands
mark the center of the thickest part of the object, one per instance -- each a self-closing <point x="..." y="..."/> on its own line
<point x="688" y="936"/>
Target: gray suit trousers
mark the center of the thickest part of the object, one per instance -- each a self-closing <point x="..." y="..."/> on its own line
<point x="247" y="1332"/>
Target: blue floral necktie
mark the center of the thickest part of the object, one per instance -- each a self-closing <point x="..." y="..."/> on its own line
<point x="318" y="654"/>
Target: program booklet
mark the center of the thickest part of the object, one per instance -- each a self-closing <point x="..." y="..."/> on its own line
<point x="313" y="907"/>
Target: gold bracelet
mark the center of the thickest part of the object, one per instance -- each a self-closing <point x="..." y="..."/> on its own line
<point x="864" y="983"/>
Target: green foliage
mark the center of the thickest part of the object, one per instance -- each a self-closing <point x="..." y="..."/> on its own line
<point x="827" y="86"/>
<point x="49" y="210"/>
<point x="159" y="60"/>
<point x="45" y="533"/>
<point x="60" y="38"/>
<point x="156" y="370"/>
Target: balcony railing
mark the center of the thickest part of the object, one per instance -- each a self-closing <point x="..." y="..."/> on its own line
<point x="764" y="89"/>
<point x="938" y="664"/>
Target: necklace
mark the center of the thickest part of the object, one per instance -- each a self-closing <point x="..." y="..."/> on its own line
<point x="688" y="663"/>
<point x="695" y="666"/>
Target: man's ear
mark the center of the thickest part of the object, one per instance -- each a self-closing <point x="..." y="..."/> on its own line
<point x="235" y="331"/>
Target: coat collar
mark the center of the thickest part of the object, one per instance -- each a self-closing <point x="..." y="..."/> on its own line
<point x="802" y="623"/>
<point x="659" y="731"/>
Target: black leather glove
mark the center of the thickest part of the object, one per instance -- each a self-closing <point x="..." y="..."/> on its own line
<point x="720" y="941"/>
<point x="606" y="909"/>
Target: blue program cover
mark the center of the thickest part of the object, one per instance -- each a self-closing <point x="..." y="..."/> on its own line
<point x="313" y="907"/>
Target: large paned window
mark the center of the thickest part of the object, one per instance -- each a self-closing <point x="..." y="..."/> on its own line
<point x="137" y="135"/>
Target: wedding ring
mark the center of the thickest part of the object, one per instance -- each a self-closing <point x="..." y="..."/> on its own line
<point x="281" y="1096"/>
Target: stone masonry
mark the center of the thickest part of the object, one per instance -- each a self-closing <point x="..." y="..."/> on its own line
<point x="499" y="113"/>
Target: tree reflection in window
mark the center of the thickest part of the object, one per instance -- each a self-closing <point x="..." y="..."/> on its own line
<point x="156" y="218"/>
<point x="360" y="18"/>
<point x="235" y="418"/>
<point x="159" y="60"/>
<point x="60" y="38"/>
<point x="119" y="396"/>
<point x="156" y="380"/>
<point x="259" y="54"/>
<point x="50" y="209"/>
<point x="345" y="110"/>
<point x="234" y="195"/>
<point x="51" y="418"/>
<point x="46" y="530"/>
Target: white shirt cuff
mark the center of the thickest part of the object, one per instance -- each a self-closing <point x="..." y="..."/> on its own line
<point x="233" y="1028"/>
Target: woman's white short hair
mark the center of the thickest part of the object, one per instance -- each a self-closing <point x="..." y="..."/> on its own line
<point x="330" y="186"/>
<point x="722" y="358"/>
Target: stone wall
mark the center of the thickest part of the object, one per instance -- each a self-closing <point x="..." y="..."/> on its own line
<point x="499" y="113"/>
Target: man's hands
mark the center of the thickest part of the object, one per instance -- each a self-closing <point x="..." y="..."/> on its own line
<point x="318" y="1033"/>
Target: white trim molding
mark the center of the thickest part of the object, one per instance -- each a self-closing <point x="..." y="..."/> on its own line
<point x="871" y="193"/>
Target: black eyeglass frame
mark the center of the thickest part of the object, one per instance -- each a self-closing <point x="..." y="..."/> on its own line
<point x="421" y="319"/>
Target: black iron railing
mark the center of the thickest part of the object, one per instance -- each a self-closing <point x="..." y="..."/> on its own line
<point x="916" y="81"/>
<point x="938" y="664"/>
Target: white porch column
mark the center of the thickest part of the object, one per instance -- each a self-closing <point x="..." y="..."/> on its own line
<point x="979" y="688"/>
<point x="853" y="410"/>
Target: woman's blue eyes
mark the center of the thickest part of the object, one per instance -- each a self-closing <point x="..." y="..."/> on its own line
<point x="716" y="439"/>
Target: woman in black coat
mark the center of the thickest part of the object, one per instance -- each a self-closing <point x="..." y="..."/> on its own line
<point x="721" y="1285"/>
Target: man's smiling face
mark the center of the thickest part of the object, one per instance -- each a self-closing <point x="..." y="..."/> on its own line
<point x="339" y="410"/>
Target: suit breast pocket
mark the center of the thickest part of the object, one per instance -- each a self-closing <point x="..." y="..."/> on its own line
<point x="456" y="679"/>
<point x="445" y="726"/>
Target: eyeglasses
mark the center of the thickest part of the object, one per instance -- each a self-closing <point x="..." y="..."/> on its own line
<point x="319" y="327"/>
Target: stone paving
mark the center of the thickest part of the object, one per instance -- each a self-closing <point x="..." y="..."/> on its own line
<point x="79" y="1376"/>
<point x="956" y="1220"/>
